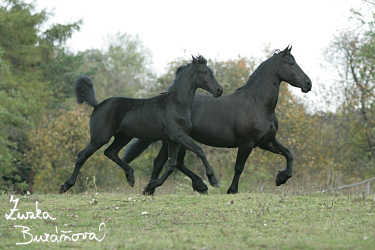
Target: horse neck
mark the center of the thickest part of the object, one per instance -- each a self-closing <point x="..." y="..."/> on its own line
<point x="183" y="89"/>
<point x="263" y="86"/>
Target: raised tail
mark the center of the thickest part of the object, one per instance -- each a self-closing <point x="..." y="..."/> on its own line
<point x="136" y="149"/>
<point x="84" y="90"/>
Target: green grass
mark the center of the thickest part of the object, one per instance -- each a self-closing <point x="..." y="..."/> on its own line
<point x="284" y="220"/>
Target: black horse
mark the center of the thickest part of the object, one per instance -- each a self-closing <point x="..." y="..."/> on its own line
<point x="245" y="119"/>
<point x="164" y="117"/>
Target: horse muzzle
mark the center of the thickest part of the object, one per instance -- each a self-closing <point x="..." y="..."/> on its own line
<point x="218" y="91"/>
<point x="307" y="87"/>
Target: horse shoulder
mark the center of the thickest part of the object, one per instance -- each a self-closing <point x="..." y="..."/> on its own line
<point x="252" y="125"/>
<point x="270" y="129"/>
<point x="177" y="118"/>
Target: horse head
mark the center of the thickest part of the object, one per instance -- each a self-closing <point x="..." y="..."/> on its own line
<point x="205" y="78"/>
<point x="290" y="72"/>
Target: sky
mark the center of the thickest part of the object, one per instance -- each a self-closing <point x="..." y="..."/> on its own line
<point x="215" y="29"/>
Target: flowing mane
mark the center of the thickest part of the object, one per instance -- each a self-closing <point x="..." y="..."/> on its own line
<point x="274" y="53"/>
<point x="200" y="59"/>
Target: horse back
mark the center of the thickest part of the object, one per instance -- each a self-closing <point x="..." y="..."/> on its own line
<point x="141" y="118"/>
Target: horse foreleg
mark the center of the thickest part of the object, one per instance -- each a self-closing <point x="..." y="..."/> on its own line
<point x="276" y="147"/>
<point x="188" y="143"/>
<point x="242" y="155"/>
<point x="81" y="159"/>
<point x="197" y="182"/>
<point x="112" y="153"/>
<point x="173" y="151"/>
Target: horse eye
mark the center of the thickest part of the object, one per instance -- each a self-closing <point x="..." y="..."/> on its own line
<point x="291" y="63"/>
<point x="204" y="72"/>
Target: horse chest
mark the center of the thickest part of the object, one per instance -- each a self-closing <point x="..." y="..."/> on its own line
<point x="256" y="131"/>
<point x="179" y="119"/>
<point x="183" y="123"/>
<point x="271" y="130"/>
<point x="268" y="135"/>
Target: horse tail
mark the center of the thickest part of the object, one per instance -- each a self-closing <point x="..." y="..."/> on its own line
<point x="84" y="90"/>
<point x="136" y="149"/>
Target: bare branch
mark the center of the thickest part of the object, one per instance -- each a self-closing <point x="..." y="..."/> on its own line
<point x="369" y="2"/>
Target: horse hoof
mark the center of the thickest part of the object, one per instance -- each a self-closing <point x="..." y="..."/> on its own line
<point x="131" y="183"/>
<point x="215" y="185"/>
<point x="203" y="192"/>
<point x="199" y="186"/>
<point x="232" y="191"/>
<point x="148" y="192"/>
<point x="130" y="177"/>
<point x="281" y="178"/>
<point x="62" y="189"/>
<point x="278" y="182"/>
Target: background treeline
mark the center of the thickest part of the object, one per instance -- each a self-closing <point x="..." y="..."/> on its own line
<point x="42" y="129"/>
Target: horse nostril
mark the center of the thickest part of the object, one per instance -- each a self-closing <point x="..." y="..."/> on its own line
<point x="308" y="84"/>
<point x="219" y="90"/>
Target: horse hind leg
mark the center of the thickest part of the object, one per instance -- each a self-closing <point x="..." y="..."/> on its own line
<point x="242" y="155"/>
<point x="112" y="151"/>
<point x="159" y="163"/>
<point x="91" y="148"/>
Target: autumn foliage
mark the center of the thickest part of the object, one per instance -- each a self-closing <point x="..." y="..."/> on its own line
<point x="42" y="129"/>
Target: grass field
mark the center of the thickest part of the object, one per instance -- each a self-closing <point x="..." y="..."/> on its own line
<point x="186" y="220"/>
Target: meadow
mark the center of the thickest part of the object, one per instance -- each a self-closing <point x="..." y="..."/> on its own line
<point x="183" y="219"/>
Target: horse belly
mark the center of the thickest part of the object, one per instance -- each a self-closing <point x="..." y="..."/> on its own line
<point x="214" y="137"/>
<point x="212" y="123"/>
<point x="144" y="126"/>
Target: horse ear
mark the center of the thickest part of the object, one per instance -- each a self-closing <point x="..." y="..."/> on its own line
<point x="195" y="61"/>
<point x="285" y="51"/>
<point x="290" y="49"/>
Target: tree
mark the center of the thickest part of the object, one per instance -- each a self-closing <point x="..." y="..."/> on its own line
<point x="122" y="69"/>
<point x="25" y="92"/>
<point x="352" y="52"/>
<point x="61" y="73"/>
<point x="24" y="44"/>
<point x="67" y="134"/>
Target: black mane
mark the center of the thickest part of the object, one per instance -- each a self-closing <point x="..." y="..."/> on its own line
<point x="200" y="59"/>
<point x="274" y="52"/>
<point x="181" y="68"/>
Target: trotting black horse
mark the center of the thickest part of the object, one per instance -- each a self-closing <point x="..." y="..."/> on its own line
<point x="164" y="117"/>
<point x="245" y="119"/>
